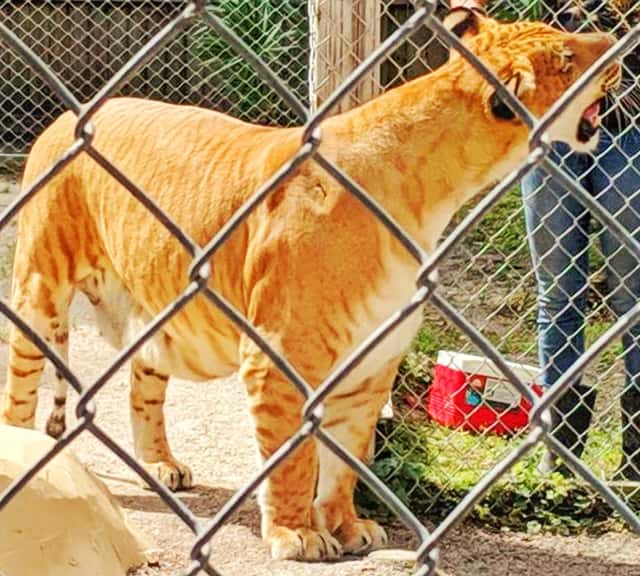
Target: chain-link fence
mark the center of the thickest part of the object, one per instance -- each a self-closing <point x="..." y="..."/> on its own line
<point x="86" y="43"/>
<point x="487" y="292"/>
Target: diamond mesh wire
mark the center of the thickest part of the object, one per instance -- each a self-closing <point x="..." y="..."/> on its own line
<point x="86" y="43"/>
<point x="47" y="85"/>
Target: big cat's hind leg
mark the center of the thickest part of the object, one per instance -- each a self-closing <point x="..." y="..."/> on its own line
<point x="43" y="304"/>
<point x="286" y="496"/>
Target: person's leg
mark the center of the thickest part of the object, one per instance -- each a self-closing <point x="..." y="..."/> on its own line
<point x="617" y="184"/>
<point x="557" y="229"/>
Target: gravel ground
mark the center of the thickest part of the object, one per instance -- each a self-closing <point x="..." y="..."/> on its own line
<point x="209" y="429"/>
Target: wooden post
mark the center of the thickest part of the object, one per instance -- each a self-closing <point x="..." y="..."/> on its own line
<point x="344" y="33"/>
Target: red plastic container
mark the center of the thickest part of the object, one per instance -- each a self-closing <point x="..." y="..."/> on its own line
<point x="471" y="393"/>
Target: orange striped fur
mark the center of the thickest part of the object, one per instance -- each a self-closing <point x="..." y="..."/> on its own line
<point x="311" y="267"/>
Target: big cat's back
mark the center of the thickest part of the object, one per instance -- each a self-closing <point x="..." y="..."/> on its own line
<point x="197" y="165"/>
<point x="165" y="148"/>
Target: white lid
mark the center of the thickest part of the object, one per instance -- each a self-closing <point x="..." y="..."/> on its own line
<point x="472" y="364"/>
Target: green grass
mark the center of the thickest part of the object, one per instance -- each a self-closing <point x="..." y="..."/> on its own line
<point x="517" y="9"/>
<point x="501" y="235"/>
<point x="518" y="344"/>
<point x="436" y="334"/>
<point x="596" y="327"/>
<point x="504" y="223"/>
<point x="431" y="468"/>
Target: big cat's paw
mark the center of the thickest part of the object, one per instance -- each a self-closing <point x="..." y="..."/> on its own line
<point x="361" y="536"/>
<point x="302" y="544"/>
<point x="172" y="474"/>
<point x="56" y="425"/>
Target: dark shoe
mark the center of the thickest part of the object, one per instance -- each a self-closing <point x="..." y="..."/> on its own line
<point x="630" y="404"/>
<point x="571" y="417"/>
<point x="570" y="422"/>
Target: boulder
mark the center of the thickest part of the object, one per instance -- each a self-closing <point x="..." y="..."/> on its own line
<point x="64" y="522"/>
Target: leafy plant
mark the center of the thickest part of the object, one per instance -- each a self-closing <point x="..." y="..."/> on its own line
<point x="431" y="468"/>
<point x="276" y="30"/>
<point x="517" y="9"/>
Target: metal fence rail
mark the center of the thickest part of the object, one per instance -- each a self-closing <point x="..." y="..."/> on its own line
<point x="426" y="288"/>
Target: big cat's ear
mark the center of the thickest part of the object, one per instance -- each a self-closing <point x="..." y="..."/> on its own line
<point x="463" y="21"/>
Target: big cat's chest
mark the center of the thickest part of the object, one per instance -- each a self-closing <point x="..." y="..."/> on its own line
<point x="392" y="294"/>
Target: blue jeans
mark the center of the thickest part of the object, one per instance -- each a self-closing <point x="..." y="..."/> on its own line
<point x="558" y="228"/>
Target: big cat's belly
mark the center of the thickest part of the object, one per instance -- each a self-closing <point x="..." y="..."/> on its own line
<point x="188" y="346"/>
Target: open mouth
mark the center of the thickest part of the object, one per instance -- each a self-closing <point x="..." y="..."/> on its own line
<point x="589" y="122"/>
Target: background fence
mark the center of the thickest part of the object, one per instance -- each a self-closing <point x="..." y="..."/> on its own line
<point x="489" y="277"/>
<point x="86" y="42"/>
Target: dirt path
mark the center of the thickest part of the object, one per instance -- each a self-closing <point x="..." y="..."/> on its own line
<point x="209" y="429"/>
